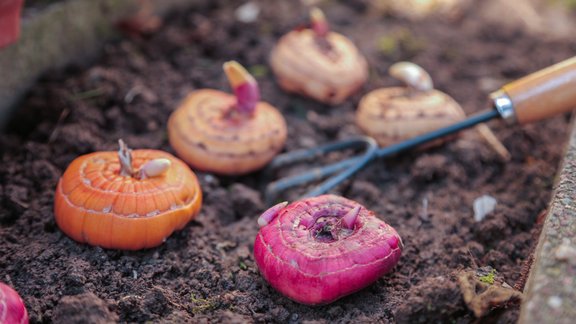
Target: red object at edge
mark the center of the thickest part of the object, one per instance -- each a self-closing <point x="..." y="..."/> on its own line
<point x="9" y="21"/>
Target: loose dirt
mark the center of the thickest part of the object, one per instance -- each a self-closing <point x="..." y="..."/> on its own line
<point x="206" y="272"/>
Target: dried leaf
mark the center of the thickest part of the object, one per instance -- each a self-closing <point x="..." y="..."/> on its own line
<point x="483" y="289"/>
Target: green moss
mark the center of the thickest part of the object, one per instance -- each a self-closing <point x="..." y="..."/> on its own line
<point x="400" y="42"/>
<point x="258" y="70"/>
<point x="388" y="45"/>
<point x="489" y="277"/>
<point x="411" y="43"/>
<point x="202" y="304"/>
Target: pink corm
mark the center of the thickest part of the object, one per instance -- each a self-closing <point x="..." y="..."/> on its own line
<point x="320" y="249"/>
<point x="12" y="309"/>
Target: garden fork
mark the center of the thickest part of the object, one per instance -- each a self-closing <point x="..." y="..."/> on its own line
<point x="540" y="95"/>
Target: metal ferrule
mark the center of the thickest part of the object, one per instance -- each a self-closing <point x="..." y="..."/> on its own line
<point x="504" y="105"/>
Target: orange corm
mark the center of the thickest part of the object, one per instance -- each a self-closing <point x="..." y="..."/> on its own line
<point x="227" y="134"/>
<point x="101" y="201"/>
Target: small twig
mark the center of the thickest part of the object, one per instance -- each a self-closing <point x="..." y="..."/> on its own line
<point x="89" y="94"/>
<point x="19" y="202"/>
<point x="473" y="259"/>
<point x="59" y="122"/>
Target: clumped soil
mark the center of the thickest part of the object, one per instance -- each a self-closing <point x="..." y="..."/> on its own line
<point x="206" y="272"/>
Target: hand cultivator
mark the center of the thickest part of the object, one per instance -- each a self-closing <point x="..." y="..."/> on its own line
<point x="540" y="95"/>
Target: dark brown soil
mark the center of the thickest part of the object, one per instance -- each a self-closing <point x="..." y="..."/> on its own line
<point x="206" y="271"/>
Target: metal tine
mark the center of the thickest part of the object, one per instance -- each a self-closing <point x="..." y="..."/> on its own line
<point x="332" y="182"/>
<point x="354" y="164"/>
<point x="309" y="154"/>
<point x="311" y="175"/>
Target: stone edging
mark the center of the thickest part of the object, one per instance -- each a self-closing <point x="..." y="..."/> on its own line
<point x="550" y="293"/>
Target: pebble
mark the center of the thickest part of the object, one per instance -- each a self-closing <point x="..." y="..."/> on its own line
<point x="566" y="251"/>
<point x="248" y="12"/>
<point x="483" y="206"/>
<point x="555" y="302"/>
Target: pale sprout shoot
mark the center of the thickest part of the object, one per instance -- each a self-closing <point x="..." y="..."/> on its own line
<point x="319" y="22"/>
<point x="244" y="86"/>
<point x="418" y="80"/>
<point x="237" y="74"/>
<point x="270" y="214"/>
<point x="154" y="168"/>
<point x="350" y="218"/>
<point x="414" y="76"/>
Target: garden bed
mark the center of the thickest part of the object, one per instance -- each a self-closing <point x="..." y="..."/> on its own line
<point x="206" y="271"/>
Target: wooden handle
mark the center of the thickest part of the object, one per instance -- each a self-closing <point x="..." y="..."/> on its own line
<point x="545" y="93"/>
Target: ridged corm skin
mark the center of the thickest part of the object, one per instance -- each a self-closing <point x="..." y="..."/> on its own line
<point x="310" y="256"/>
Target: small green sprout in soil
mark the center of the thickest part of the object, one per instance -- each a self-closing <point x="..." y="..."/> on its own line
<point x="242" y="265"/>
<point x="489" y="277"/>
